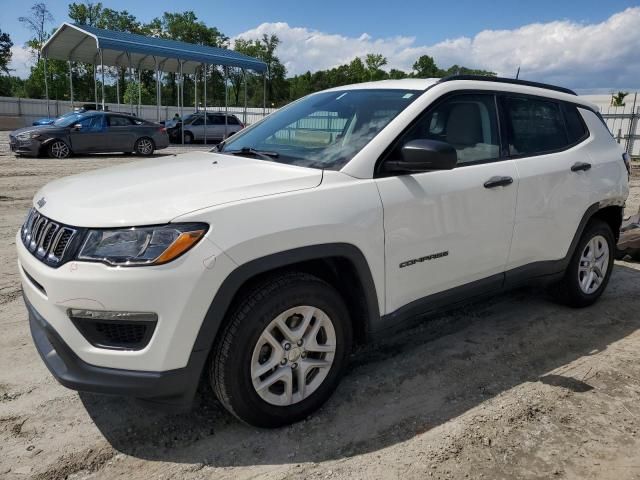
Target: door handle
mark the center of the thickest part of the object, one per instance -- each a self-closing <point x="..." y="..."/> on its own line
<point x="497" y="181"/>
<point x="580" y="167"/>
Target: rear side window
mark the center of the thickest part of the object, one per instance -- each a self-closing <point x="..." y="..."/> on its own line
<point x="232" y="120"/>
<point x="535" y="126"/>
<point x="576" y="129"/>
<point x="120" y="121"/>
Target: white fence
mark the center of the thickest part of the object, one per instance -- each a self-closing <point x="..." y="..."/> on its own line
<point x="30" y="109"/>
<point x="623" y="122"/>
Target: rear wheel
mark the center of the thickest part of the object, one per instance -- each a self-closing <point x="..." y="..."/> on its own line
<point x="58" y="149"/>
<point x="144" y="146"/>
<point x="590" y="267"/>
<point x="283" y="351"/>
<point x="188" y="137"/>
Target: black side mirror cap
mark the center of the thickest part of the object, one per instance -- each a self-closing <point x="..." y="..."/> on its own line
<point x="423" y="155"/>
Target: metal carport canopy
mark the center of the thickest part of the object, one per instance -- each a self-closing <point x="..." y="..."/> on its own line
<point x="82" y="43"/>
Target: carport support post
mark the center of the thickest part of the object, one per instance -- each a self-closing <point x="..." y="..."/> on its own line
<point x="131" y="79"/>
<point x="195" y="90"/>
<point x="95" y="85"/>
<point x="139" y="90"/>
<point x="46" y="85"/>
<point x="244" y="113"/>
<point x="205" y="69"/>
<point x="71" y="83"/>
<point x="226" y="101"/>
<point x="155" y="68"/>
<point x="264" y="94"/>
<point x="102" y="72"/>
<point x="118" y="87"/>
<point x="181" y="84"/>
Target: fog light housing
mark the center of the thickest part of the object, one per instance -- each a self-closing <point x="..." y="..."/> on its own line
<point x="114" y="330"/>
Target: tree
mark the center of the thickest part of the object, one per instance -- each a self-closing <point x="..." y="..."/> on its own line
<point x="617" y="100"/>
<point x="374" y="61"/>
<point x="5" y="51"/>
<point x="37" y="22"/>
<point x="132" y="91"/>
<point x="425" y="67"/>
<point x="397" y="74"/>
<point x="457" y="70"/>
<point x="87" y="13"/>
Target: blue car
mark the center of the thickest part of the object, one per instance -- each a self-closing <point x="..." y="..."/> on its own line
<point x="49" y="121"/>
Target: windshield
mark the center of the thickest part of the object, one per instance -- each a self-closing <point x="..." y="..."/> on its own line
<point x="324" y="130"/>
<point x="68" y="119"/>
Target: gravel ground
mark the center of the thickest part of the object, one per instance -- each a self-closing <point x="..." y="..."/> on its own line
<point x="511" y="387"/>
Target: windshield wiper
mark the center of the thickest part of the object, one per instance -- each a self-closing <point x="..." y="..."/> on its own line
<point x="252" y="151"/>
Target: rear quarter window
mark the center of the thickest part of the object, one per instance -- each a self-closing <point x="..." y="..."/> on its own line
<point x="576" y="129"/>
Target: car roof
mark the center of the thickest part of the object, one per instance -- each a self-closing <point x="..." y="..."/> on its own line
<point x="469" y="82"/>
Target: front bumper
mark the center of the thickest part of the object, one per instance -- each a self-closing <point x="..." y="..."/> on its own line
<point x="175" y="387"/>
<point x="24" y="147"/>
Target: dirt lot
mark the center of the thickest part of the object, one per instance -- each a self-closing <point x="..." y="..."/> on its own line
<point x="511" y="387"/>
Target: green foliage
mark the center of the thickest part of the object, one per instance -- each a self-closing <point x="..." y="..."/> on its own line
<point x="131" y="94"/>
<point x="38" y="22"/>
<point x="425" y="67"/>
<point x="5" y="52"/>
<point x="617" y="100"/>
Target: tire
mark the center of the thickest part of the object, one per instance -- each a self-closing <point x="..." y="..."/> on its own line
<point x="576" y="289"/>
<point x="58" y="149"/>
<point x="242" y="350"/>
<point x="144" y="146"/>
<point x="188" y="138"/>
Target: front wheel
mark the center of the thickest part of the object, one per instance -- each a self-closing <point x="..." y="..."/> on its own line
<point x="590" y="267"/>
<point x="58" y="149"/>
<point x="283" y="351"/>
<point x="144" y="146"/>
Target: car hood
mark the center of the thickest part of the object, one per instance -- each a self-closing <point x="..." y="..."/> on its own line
<point x="157" y="190"/>
<point x="42" y="129"/>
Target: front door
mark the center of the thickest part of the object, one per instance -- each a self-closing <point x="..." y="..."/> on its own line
<point x="445" y="229"/>
<point x="87" y="135"/>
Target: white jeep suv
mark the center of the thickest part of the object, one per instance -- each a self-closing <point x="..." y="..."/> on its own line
<point x="350" y="212"/>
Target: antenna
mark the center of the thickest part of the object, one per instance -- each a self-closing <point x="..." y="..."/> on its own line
<point x="518" y="72"/>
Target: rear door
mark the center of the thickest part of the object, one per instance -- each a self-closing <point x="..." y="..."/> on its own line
<point x="445" y="229"/>
<point x="547" y="140"/>
<point x="121" y="134"/>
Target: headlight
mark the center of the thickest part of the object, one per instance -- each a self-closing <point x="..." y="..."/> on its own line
<point x="24" y="136"/>
<point x="141" y="245"/>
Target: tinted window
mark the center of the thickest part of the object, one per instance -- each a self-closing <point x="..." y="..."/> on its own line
<point x="535" y="126"/>
<point x="198" y="121"/>
<point x="91" y="124"/>
<point x="232" y="121"/>
<point x="324" y="130"/>
<point x="120" y="121"/>
<point x="467" y="122"/>
<point x="216" y="120"/>
<point x="576" y="129"/>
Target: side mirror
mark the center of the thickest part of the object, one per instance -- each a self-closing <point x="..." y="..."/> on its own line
<point x="424" y="155"/>
<point x="77" y="127"/>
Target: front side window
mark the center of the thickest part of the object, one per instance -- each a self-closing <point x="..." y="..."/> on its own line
<point x="534" y="125"/>
<point x="91" y="124"/>
<point x="467" y="122"/>
<point x="323" y="130"/>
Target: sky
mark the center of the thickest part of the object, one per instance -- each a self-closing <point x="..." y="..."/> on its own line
<point x="579" y="44"/>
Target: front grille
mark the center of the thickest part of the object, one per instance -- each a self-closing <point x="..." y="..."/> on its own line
<point x="49" y="241"/>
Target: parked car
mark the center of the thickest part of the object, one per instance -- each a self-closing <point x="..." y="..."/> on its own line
<point x="90" y="132"/>
<point x="339" y="218"/>
<point x="195" y="128"/>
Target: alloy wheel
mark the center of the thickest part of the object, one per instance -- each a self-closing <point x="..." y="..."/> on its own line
<point x="293" y="355"/>
<point x="59" y="149"/>
<point x="593" y="265"/>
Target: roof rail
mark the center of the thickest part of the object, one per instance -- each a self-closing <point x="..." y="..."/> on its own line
<point x="484" y="78"/>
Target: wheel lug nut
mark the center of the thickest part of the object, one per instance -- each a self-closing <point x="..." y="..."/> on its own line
<point x="303" y="354"/>
<point x="283" y="361"/>
<point x="287" y="346"/>
<point x="300" y="342"/>
<point x="294" y="365"/>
